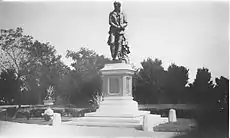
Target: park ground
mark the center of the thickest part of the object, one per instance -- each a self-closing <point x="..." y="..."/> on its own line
<point x="185" y="127"/>
<point x="37" y="127"/>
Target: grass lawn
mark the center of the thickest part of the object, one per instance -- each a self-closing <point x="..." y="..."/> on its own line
<point x="182" y="125"/>
<point x="39" y="121"/>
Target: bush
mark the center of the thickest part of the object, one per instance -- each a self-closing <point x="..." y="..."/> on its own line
<point x="3" y="114"/>
<point x="24" y="112"/>
<point x="59" y="110"/>
<point x="11" y="111"/>
<point x="76" y="112"/>
<point x="37" y="112"/>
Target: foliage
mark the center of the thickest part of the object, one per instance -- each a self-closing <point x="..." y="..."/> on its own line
<point x="36" y="64"/>
<point x="9" y="84"/>
<point x="49" y="69"/>
<point x="86" y="64"/>
<point x="14" y="50"/>
<point x="203" y="86"/>
<point x="14" y="53"/>
<point x="69" y="86"/>
<point x="177" y="78"/>
<point x="149" y="81"/>
<point x="222" y="90"/>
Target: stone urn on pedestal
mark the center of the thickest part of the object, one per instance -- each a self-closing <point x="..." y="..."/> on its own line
<point x="48" y="101"/>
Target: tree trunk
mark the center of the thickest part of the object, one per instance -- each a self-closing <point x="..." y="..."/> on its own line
<point x="39" y="98"/>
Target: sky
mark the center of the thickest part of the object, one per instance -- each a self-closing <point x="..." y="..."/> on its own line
<point x="193" y="34"/>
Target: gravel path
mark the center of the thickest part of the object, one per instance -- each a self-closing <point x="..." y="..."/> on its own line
<point x="21" y="130"/>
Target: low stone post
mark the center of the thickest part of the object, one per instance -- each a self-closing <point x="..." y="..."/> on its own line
<point x="149" y="121"/>
<point x="56" y="119"/>
<point x="172" y="115"/>
<point x="146" y="123"/>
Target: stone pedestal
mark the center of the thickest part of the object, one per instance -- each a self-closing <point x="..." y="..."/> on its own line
<point x="117" y="92"/>
<point x="118" y="109"/>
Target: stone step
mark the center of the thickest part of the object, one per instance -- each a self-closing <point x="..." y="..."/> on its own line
<point x="117" y="114"/>
<point x="104" y="124"/>
<point x="108" y="119"/>
<point x="115" y="122"/>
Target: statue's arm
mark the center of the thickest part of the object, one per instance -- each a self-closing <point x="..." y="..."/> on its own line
<point x="125" y="23"/>
<point x="111" y="21"/>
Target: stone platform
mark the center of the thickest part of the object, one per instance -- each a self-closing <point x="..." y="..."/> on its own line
<point x="118" y="109"/>
<point x="123" y="122"/>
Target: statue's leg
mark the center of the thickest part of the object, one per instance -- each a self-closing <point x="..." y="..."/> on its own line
<point x="119" y="47"/>
<point x="116" y="52"/>
<point x="112" y="45"/>
<point x="112" y="49"/>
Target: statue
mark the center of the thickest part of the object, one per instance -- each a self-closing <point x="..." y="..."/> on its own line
<point x="117" y="40"/>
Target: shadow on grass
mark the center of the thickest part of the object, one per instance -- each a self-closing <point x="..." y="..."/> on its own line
<point x="208" y="127"/>
<point x="204" y="133"/>
<point x="182" y="125"/>
<point x="190" y="128"/>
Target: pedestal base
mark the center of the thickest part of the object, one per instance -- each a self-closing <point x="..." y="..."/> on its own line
<point x="118" y="106"/>
<point x="115" y="112"/>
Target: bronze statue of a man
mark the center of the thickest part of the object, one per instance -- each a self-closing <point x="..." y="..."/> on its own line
<point x="117" y="41"/>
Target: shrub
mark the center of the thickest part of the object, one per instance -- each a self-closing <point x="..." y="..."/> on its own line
<point x="3" y="114"/>
<point x="23" y="112"/>
<point x="37" y="112"/>
<point x="11" y="111"/>
<point x="74" y="112"/>
<point x="59" y="110"/>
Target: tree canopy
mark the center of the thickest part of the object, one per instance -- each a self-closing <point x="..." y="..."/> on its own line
<point x="28" y="67"/>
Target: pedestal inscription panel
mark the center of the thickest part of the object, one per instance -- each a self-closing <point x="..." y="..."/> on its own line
<point x="114" y="86"/>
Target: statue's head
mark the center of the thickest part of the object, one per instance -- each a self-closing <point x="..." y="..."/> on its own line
<point x="117" y="5"/>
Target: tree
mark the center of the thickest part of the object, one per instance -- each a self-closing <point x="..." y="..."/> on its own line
<point x="202" y="87"/>
<point x="149" y="81"/>
<point x="222" y="92"/>
<point x="9" y="86"/>
<point x="47" y="70"/>
<point x="214" y="110"/>
<point x="36" y="64"/>
<point x="177" y="78"/>
<point x="68" y="86"/>
<point x="86" y="64"/>
<point x="14" y="53"/>
<point x="222" y="97"/>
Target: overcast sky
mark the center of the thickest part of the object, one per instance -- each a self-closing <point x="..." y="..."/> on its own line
<point x="193" y="34"/>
